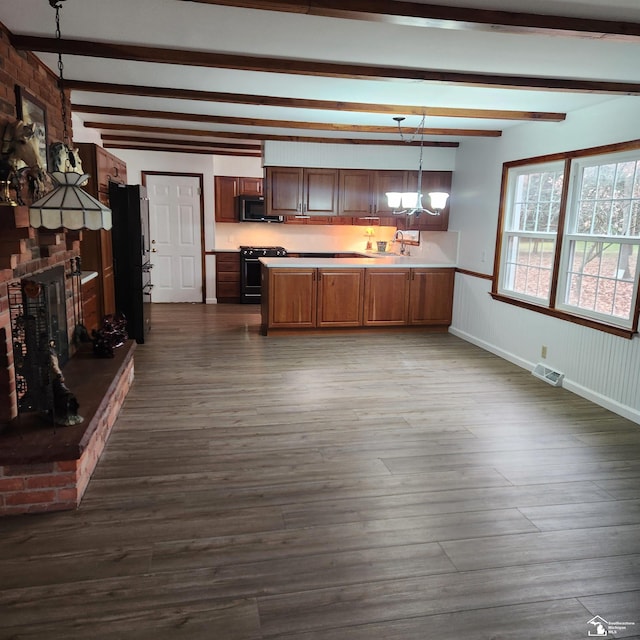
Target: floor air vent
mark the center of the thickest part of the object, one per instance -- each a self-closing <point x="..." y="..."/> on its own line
<point x="550" y="376"/>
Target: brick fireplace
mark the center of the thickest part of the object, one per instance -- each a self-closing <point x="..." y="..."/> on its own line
<point x="46" y="467"/>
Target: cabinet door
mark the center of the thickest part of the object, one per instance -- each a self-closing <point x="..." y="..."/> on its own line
<point x="340" y="297"/>
<point x="355" y="193"/>
<point x="284" y="191"/>
<point x="431" y="181"/>
<point x="250" y="186"/>
<point x="226" y="189"/>
<point x="387" y="181"/>
<point x="386" y="297"/>
<point x="320" y="192"/>
<point x="292" y="298"/>
<point x="431" y="296"/>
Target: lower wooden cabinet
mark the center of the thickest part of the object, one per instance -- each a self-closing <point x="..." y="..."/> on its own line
<point x="291" y="297"/>
<point x="431" y="296"/>
<point x="340" y="297"/>
<point x="307" y="298"/>
<point x="228" y="276"/>
<point x="386" y="297"/>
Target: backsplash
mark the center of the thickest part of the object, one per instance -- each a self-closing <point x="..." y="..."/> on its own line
<point x="435" y="246"/>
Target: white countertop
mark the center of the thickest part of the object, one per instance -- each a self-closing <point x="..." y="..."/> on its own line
<point x="380" y="261"/>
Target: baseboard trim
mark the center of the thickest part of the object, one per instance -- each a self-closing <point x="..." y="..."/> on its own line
<point x="588" y="394"/>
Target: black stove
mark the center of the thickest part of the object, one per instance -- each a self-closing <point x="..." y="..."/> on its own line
<point x="250" y="270"/>
<point x="263" y="252"/>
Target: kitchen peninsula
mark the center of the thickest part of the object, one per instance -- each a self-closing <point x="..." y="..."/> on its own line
<point x="355" y="293"/>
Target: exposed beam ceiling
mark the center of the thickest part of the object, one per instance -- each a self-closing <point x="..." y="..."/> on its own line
<point x="261" y="64"/>
<point x="197" y="75"/>
<point x="447" y="17"/>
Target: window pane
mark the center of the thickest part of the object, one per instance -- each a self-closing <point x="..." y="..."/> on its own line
<point x="528" y="266"/>
<point x="601" y="277"/>
<point x="536" y="202"/>
<point x="608" y="200"/>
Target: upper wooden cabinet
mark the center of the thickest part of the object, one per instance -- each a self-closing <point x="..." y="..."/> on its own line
<point x="250" y="186"/>
<point x="350" y="196"/>
<point x="295" y="191"/>
<point x="431" y="181"/>
<point x="383" y="182"/>
<point x="226" y="188"/>
<point x="355" y="195"/>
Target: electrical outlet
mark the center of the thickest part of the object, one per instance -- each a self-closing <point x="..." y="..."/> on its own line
<point x="543" y="351"/>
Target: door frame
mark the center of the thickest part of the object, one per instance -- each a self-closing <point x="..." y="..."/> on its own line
<point x="200" y="177"/>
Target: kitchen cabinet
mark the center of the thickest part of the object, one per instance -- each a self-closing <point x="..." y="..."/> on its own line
<point x="226" y="188"/>
<point x="352" y="297"/>
<point x="289" y="297"/>
<point x="228" y="276"/>
<point x="355" y="195"/>
<point x="431" y="296"/>
<point x="293" y="191"/>
<point x="431" y="181"/>
<point x="386" y="297"/>
<point x="385" y="181"/>
<point x="96" y="250"/>
<point x="250" y="186"/>
<point x="340" y="294"/>
<point x="350" y="196"/>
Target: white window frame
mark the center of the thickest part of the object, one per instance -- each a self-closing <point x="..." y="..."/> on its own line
<point x="557" y="306"/>
<point x="509" y="233"/>
<point x="571" y="236"/>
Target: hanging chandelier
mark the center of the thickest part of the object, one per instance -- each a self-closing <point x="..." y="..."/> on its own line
<point x="410" y="202"/>
<point x="68" y="205"/>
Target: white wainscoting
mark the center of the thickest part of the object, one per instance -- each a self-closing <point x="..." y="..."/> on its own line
<point x="598" y="366"/>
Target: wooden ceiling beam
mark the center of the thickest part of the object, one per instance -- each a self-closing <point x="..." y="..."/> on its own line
<point x="303" y="103"/>
<point x="116" y="137"/>
<point x="183" y="149"/>
<point x="284" y="124"/>
<point x="264" y="64"/>
<point x="111" y="126"/>
<point x="447" y="17"/>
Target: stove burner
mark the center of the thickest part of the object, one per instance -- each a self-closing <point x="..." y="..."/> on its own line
<point x="263" y="252"/>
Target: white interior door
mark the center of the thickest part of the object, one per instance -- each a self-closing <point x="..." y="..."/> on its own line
<point x="176" y="240"/>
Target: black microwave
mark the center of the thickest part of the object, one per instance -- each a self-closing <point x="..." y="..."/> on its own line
<point x="253" y="209"/>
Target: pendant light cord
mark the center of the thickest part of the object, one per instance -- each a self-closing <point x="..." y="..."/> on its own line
<point x="57" y="4"/>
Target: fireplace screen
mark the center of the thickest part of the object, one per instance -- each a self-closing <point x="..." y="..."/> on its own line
<point x="38" y="314"/>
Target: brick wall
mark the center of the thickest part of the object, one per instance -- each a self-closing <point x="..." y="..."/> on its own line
<point x="24" y="251"/>
<point x="24" y="69"/>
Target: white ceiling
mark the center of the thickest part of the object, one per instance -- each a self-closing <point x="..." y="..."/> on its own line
<point x="462" y="47"/>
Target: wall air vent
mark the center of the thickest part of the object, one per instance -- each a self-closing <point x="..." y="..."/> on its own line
<point x="552" y="377"/>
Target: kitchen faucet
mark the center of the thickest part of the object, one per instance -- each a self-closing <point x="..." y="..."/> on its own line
<point x="400" y="236"/>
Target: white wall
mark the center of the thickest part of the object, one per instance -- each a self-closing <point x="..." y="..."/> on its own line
<point x="354" y="156"/>
<point x="599" y="366"/>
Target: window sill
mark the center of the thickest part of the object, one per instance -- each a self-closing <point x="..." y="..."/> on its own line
<point x="561" y="315"/>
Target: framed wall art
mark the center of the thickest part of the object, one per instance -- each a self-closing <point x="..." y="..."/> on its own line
<point x="31" y="111"/>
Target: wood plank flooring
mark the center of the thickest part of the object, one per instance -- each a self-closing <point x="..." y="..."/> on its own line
<point x="386" y="486"/>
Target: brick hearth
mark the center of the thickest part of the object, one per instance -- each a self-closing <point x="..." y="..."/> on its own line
<point x="47" y="468"/>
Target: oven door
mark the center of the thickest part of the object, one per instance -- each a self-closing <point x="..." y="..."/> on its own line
<point x="250" y="279"/>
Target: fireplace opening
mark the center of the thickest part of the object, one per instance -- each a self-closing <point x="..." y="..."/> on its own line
<point x="38" y="313"/>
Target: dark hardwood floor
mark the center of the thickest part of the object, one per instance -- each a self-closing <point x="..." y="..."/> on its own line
<point x="391" y="486"/>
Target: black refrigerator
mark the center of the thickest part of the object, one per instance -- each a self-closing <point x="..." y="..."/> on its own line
<point x="131" y="256"/>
